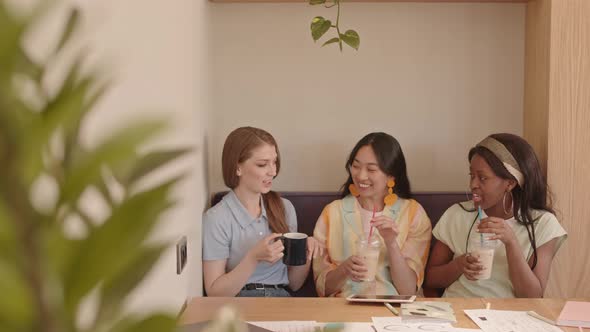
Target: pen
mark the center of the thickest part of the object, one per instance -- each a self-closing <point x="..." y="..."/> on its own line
<point x="391" y="308"/>
<point x="537" y="316"/>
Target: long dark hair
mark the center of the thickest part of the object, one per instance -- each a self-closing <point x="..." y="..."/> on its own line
<point x="238" y="148"/>
<point x="534" y="193"/>
<point x="390" y="158"/>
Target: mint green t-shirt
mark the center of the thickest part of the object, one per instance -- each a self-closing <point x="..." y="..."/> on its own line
<point x="453" y="230"/>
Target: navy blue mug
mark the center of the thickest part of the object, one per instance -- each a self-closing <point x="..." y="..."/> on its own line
<point x="295" y="252"/>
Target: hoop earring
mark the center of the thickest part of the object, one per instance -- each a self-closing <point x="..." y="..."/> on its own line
<point x="391" y="198"/>
<point x="504" y="203"/>
<point x="353" y="190"/>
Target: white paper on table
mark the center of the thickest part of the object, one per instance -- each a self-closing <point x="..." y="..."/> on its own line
<point x="395" y="324"/>
<point x="288" y="326"/>
<point x="508" y="321"/>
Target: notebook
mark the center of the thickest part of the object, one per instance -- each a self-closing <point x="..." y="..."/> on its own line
<point x="575" y="314"/>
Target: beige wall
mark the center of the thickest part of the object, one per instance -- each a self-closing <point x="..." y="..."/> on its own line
<point x="439" y="77"/>
<point x="155" y="53"/>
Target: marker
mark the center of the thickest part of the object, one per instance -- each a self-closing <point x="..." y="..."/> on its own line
<point x="391" y="308"/>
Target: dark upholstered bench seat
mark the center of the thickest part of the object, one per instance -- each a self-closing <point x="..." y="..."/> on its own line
<point x="309" y="206"/>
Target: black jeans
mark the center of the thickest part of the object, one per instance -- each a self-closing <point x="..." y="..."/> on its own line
<point x="266" y="292"/>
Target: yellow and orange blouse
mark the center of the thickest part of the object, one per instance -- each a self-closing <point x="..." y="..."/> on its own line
<point x="340" y="226"/>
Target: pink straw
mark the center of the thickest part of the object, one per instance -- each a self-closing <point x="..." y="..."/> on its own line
<point x="373" y="217"/>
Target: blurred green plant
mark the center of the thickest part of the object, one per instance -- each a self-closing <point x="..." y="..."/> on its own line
<point x="320" y="25"/>
<point x="45" y="272"/>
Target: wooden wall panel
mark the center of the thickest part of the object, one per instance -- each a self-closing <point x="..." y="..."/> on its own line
<point x="536" y="89"/>
<point x="557" y="123"/>
<point x="568" y="163"/>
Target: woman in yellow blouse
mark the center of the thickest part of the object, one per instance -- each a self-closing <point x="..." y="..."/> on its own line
<point x="376" y="194"/>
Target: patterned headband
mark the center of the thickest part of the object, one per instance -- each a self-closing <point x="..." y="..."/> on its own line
<point x="502" y="153"/>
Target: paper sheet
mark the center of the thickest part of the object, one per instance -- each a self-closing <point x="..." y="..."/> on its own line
<point x="288" y="326"/>
<point x="380" y="324"/>
<point x="508" y="321"/>
<point x="394" y="324"/>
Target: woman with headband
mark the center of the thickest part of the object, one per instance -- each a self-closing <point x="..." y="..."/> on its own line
<point x="509" y="188"/>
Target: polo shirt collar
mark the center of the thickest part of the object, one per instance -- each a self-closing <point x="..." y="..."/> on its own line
<point x="239" y="210"/>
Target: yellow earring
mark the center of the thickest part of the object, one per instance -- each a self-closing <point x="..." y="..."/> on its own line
<point x="391" y="198"/>
<point x="353" y="191"/>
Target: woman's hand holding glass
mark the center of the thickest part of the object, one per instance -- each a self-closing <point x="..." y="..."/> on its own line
<point x="355" y="268"/>
<point x="469" y="266"/>
<point x="500" y="228"/>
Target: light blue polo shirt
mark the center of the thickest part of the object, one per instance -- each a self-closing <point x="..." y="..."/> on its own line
<point x="229" y="232"/>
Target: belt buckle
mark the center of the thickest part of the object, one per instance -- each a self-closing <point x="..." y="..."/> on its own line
<point x="259" y="286"/>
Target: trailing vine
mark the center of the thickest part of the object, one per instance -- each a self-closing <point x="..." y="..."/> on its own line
<point x="320" y="25"/>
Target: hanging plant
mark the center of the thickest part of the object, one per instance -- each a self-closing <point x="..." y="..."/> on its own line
<point x="320" y="25"/>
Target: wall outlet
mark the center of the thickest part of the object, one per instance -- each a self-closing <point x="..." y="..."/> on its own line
<point x="181" y="254"/>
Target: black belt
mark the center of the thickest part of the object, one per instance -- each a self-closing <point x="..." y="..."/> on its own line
<point x="262" y="286"/>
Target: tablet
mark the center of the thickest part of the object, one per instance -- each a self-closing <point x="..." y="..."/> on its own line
<point x="382" y="298"/>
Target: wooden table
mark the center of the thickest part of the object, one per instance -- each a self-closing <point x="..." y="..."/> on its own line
<point x="339" y="310"/>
